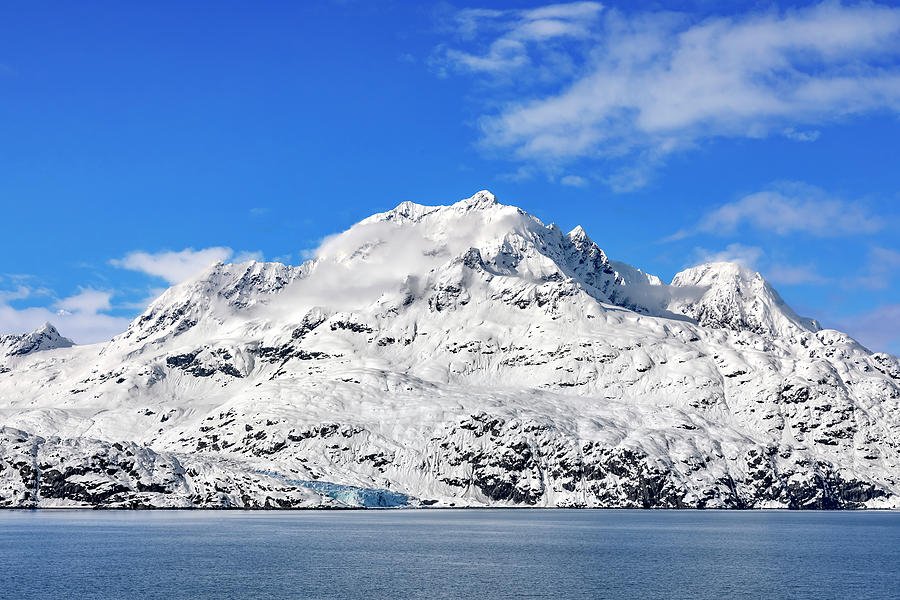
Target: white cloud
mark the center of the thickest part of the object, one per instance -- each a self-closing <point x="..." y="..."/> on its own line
<point x="176" y="267"/>
<point x="789" y="208"/>
<point x="802" y="136"/>
<point x="794" y="275"/>
<point x="514" y="32"/>
<point x="885" y="257"/>
<point x="659" y="83"/>
<point x="19" y="287"/>
<point x="572" y="19"/>
<point x="84" y="316"/>
<point x="245" y="256"/>
<point x="877" y="329"/>
<point x="574" y="181"/>
<point x="752" y="256"/>
<point x="503" y="54"/>
<point x="746" y="256"/>
<point x="78" y="317"/>
<point x="522" y="173"/>
<point x="151" y="295"/>
<point x="880" y="268"/>
<point x="88" y="300"/>
<point x="20" y="293"/>
<point x="82" y="328"/>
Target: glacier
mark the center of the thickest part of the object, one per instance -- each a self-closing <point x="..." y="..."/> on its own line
<point x="454" y="356"/>
<point x="350" y="495"/>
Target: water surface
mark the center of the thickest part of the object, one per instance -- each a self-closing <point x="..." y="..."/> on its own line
<point x="449" y="554"/>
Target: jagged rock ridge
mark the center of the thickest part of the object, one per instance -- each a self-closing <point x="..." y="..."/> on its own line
<point x="45" y="337"/>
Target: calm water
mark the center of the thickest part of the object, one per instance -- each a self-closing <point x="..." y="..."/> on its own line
<point x="479" y="554"/>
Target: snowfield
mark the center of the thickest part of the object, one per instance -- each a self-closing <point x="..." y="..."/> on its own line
<point x="462" y="355"/>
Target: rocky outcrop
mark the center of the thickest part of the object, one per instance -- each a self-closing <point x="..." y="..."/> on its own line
<point x="45" y="337"/>
<point x="39" y="472"/>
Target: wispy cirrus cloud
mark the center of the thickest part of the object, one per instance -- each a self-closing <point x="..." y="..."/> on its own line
<point x="802" y="136"/>
<point x="795" y="275"/>
<point x="518" y="39"/>
<point x="882" y="265"/>
<point x="177" y="266"/>
<point x="788" y="208"/>
<point x="877" y="329"/>
<point x="553" y="20"/>
<point x="639" y="86"/>
<point x="19" y="287"/>
<point x="20" y="292"/>
<point x="573" y="181"/>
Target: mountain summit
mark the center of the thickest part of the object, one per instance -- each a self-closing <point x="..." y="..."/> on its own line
<point x="459" y="355"/>
<point x="45" y="337"/>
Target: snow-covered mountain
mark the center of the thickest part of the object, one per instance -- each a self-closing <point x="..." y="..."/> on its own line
<point x="45" y="337"/>
<point x="462" y="355"/>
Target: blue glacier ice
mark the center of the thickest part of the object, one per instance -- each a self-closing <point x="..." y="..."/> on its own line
<point x="349" y="494"/>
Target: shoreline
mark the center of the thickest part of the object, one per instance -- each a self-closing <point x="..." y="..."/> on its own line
<point x="431" y="509"/>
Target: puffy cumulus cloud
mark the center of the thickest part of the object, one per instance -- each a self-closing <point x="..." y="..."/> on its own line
<point x="80" y="317"/>
<point x="88" y="300"/>
<point x="91" y="315"/>
<point x="637" y="87"/>
<point x="789" y="208"/>
<point x="176" y="267"/>
<point x="754" y="257"/>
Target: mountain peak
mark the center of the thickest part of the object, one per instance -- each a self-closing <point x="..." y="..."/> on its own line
<point x="45" y="337"/>
<point x="47" y="328"/>
<point x="578" y="233"/>
<point x="412" y="211"/>
<point x="735" y="297"/>
<point x="580" y="239"/>
<point x="481" y="200"/>
<point x="714" y="271"/>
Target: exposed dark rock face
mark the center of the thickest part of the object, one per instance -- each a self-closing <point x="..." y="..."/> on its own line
<point x="35" y="471"/>
<point x="205" y="363"/>
<point x="45" y="337"/>
<point x="480" y="459"/>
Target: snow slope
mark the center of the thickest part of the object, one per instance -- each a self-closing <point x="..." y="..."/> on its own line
<point x="462" y="355"/>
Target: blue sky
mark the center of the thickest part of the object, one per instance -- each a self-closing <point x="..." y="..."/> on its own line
<point x="139" y="142"/>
